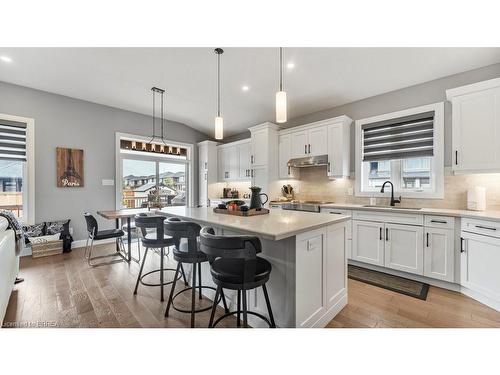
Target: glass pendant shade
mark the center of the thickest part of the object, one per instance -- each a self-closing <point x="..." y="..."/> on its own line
<point x="281" y="106"/>
<point x="219" y="128"/>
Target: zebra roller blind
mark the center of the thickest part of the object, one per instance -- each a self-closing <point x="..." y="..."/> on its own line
<point x="12" y="140"/>
<point x="400" y="138"/>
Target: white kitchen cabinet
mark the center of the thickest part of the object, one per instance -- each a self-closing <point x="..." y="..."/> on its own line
<point x="259" y="142"/>
<point x="299" y="144"/>
<point x="348" y="237"/>
<point x="309" y="142"/>
<point x="339" y="139"/>
<point x="368" y="242"/>
<point x="260" y="179"/>
<point x="476" y="127"/>
<point x="403" y="248"/>
<point x="439" y="260"/>
<point x="285" y="154"/>
<point x="480" y="265"/>
<point x="207" y="169"/>
<point x="244" y="165"/>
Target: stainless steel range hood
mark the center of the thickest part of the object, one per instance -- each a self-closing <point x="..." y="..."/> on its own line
<point x="308" y="161"/>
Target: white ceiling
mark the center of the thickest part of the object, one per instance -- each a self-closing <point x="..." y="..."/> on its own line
<point x="322" y="77"/>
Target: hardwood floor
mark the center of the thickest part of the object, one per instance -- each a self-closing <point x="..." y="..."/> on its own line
<point x="63" y="291"/>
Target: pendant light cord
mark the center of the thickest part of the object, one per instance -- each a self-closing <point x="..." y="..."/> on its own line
<point x="153" y="136"/>
<point x="162" y="118"/>
<point x="218" y="85"/>
<point x="281" y="68"/>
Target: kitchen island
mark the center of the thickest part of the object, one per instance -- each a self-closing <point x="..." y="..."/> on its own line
<point x="308" y="283"/>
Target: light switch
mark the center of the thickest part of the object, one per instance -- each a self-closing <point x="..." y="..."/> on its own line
<point x="108" y="182"/>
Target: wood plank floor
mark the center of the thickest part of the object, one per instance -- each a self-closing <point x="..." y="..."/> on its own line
<point x="63" y="291"/>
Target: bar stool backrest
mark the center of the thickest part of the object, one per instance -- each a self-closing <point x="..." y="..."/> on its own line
<point x="244" y="248"/>
<point x="179" y="229"/>
<point x="92" y="226"/>
<point x="145" y="222"/>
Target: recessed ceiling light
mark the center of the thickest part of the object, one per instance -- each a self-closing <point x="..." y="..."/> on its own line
<point x="6" y="59"/>
<point x="245" y="88"/>
<point x="290" y="65"/>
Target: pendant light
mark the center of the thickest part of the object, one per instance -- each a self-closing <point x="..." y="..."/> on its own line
<point x="281" y="95"/>
<point x="219" y="121"/>
<point x="161" y="92"/>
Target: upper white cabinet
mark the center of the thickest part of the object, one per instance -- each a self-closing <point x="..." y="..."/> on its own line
<point x="260" y="152"/>
<point x="234" y="161"/>
<point x="476" y="127"/>
<point x="207" y="169"/>
<point x="327" y="137"/>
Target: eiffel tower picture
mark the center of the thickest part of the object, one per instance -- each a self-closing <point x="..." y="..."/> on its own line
<point x="69" y="167"/>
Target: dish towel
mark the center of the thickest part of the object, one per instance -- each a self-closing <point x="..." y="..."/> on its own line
<point x="16" y="227"/>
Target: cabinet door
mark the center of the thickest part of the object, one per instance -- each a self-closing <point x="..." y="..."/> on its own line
<point x="259" y="148"/>
<point x="203" y="188"/>
<point x="317" y="141"/>
<point x="285" y="150"/>
<point x="404" y="248"/>
<point x="335" y="150"/>
<point x="260" y="179"/>
<point x="439" y="254"/>
<point x="368" y="242"/>
<point x="299" y="144"/>
<point x="234" y="163"/>
<point x="221" y="164"/>
<point x="480" y="264"/>
<point x="310" y="302"/>
<point x="244" y="161"/>
<point x="476" y="131"/>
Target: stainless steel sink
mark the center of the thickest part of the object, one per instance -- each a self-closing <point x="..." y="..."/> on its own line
<point x="392" y="207"/>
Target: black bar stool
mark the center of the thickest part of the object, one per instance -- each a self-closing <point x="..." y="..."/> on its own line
<point x="95" y="234"/>
<point x="188" y="252"/>
<point x="237" y="267"/>
<point x="155" y="241"/>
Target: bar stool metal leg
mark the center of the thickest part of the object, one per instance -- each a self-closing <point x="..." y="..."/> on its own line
<point x="226" y="309"/>
<point x="140" y="271"/>
<point x="214" y="306"/>
<point x="184" y="275"/>
<point x="179" y="265"/>
<point x="193" y="295"/>
<point x="245" y="320"/>
<point x="238" y="308"/>
<point x="199" y="281"/>
<point x="269" y="310"/>
<point x="162" y="254"/>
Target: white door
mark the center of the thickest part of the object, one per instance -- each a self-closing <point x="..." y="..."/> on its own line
<point x="284" y="155"/>
<point x="259" y="147"/>
<point x="317" y="141"/>
<point x="310" y="301"/>
<point x="480" y="264"/>
<point x="368" y="242"/>
<point x="404" y="248"/>
<point x="244" y="161"/>
<point x="438" y="254"/>
<point x="476" y="131"/>
<point x="299" y="144"/>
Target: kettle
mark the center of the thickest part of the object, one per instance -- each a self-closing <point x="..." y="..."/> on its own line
<point x="255" y="200"/>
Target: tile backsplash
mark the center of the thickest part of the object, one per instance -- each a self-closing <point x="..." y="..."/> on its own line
<point x="315" y="185"/>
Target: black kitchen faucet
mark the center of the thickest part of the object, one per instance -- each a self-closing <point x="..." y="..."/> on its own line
<point x="393" y="201"/>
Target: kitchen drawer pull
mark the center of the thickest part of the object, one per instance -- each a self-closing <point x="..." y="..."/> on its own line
<point x="484" y="227"/>
<point x="387" y="234"/>
<point x="427" y="240"/>
<point x="380" y="235"/>
<point x="336" y="213"/>
<point x="462" y="250"/>
<point x="305" y="149"/>
<point x="439" y="221"/>
<point x="309" y="148"/>
<point x="251" y="159"/>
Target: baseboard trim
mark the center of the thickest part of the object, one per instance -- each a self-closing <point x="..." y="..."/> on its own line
<point x="494" y="304"/>
<point x="332" y="311"/>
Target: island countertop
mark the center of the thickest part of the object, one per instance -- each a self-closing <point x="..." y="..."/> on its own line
<point x="275" y="226"/>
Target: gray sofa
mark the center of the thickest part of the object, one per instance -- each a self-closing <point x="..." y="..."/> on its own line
<point x="9" y="265"/>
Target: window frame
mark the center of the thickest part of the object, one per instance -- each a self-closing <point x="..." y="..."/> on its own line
<point x="188" y="161"/>
<point x="437" y="163"/>
<point x="28" y="169"/>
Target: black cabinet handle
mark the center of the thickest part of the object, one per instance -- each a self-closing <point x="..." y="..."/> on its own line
<point x="456" y="157"/>
<point x="380" y="235"/>
<point x="289" y="171"/>
<point x="328" y="167"/>
<point x="251" y="159"/>
<point x="427" y="244"/>
<point x="305" y="149"/>
<point x="483" y="227"/>
<point x="309" y="148"/>
<point x="462" y="250"/>
<point x="438" y="221"/>
<point x="387" y="234"/>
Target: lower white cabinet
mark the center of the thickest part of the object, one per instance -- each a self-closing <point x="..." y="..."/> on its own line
<point x="480" y="265"/>
<point x="439" y="262"/>
<point x="368" y="242"/>
<point x="403" y="248"/>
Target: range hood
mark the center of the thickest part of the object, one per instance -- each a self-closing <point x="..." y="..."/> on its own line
<point x="308" y="161"/>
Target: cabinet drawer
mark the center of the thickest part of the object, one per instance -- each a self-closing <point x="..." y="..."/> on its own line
<point x="389" y="217"/>
<point x="336" y="211"/>
<point x="444" y="222"/>
<point x="489" y="228"/>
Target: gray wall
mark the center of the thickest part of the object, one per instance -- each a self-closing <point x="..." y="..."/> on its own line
<point x="67" y="122"/>
<point x="414" y="96"/>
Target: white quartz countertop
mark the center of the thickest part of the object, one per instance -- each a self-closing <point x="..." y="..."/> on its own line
<point x="275" y="226"/>
<point x="486" y="215"/>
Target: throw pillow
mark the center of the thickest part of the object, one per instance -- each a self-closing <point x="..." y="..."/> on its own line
<point x="60" y="226"/>
<point x="35" y="230"/>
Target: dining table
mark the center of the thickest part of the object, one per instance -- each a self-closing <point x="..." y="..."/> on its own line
<point x="125" y="214"/>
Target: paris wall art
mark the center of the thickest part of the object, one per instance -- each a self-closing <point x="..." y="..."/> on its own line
<point x="69" y="167"/>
